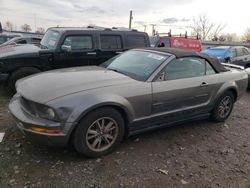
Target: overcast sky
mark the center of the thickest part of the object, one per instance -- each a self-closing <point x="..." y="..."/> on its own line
<point x="108" y="13"/>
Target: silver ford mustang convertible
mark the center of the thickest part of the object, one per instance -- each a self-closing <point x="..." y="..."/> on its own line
<point x="95" y="108"/>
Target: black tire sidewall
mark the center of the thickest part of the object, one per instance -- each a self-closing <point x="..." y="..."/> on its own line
<point x="215" y="112"/>
<point x="79" y="139"/>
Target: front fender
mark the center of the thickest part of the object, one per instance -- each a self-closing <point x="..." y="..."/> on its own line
<point x="100" y="101"/>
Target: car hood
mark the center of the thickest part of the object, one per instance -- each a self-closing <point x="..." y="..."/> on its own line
<point x="17" y="51"/>
<point x="47" y="86"/>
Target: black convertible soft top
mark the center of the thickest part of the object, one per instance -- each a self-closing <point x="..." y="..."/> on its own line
<point x="188" y="53"/>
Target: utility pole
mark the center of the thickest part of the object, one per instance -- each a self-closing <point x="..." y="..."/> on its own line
<point x="35" y="22"/>
<point x="153" y="29"/>
<point x="1" y="29"/>
<point x="145" y="28"/>
<point x="130" y="19"/>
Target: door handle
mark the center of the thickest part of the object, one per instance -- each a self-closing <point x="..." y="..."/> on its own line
<point x="118" y="52"/>
<point x="91" y="53"/>
<point x="204" y="84"/>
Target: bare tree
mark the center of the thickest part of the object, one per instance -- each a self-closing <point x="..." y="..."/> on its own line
<point x="26" y="27"/>
<point x="9" y="26"/>
<point x="246" y="36"/>
<point x="202" y="26"/>
<point x="40" y="30"/>
<point x="231" y="37"/>
<point x="216" y="32"/>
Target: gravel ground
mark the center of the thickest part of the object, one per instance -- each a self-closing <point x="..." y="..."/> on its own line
<point x="198" y="154"/>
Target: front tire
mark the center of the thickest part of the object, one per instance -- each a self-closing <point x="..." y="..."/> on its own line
<point x="99" y="133"/>
<point x="223" y="107"/>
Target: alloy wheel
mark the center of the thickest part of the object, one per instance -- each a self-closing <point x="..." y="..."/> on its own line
<point x="102" y="134"/>
<point x="225" y="106"/>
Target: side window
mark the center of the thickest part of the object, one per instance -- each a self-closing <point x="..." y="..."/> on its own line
<point x="231" y="53"/>
<point x="21" y="42"/>
<point x="245" y="51"/>
<point x="136" y="41"/>
<point x="209" y="69"/>
<point x="79" y="42"/>
<point x="185" y="68"/>
<point x="240" y="52"/>
<point x="111" y="42"/>
<point x="164" y="43"/>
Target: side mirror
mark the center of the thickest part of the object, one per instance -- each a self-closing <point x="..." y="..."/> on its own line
<point x="66" y="48"/>
<point x="227" y="59"/>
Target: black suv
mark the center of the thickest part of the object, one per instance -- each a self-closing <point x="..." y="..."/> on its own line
<point x="66" y="47"/>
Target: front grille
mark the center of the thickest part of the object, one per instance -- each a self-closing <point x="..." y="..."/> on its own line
<point x="28" y="106"/>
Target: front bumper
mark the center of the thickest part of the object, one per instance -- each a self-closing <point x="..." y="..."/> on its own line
<point x="25" y="121"/>
<point x="3" y="77"/>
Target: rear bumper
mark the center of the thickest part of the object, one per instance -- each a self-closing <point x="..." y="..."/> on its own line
<point x="3" y="77"/>
<point x="25" y="122"/>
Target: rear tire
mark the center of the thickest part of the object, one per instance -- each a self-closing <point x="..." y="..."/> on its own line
<point x="223" y="107"/>
<point x="18" y="74"/>
<point x="99" y="133"/>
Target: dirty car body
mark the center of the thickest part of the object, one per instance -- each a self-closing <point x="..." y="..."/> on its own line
<point x="150" y="88"/>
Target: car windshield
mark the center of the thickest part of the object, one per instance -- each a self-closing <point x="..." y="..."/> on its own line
<point x="153" y="41"/>
<point x="217" y="52"/>
<point x="136" y="64"/>
<point x="3" y="39"/>
<point x="50" y="39"/>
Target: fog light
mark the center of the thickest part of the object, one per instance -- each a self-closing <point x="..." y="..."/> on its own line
<point x="48" y="131"/>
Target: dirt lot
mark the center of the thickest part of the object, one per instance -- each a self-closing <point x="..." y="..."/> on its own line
<point x="199" y="154"/>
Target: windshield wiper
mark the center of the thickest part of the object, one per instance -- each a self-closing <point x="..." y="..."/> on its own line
<point x="44" y="47"/>
<point x="116" y="70"/>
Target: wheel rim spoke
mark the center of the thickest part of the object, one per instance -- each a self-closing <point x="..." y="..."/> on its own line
<point x="101" y="134"/>
<point x="109" y="126"/>
<point x="97" y="140"/>
<point x="109" y="136"/>
<point x="225" y="107"/>
<point x="106" y="139"/>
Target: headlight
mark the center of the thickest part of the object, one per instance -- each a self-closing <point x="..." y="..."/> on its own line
<point x="38" y="110"/>
<point x="45" y="112"/>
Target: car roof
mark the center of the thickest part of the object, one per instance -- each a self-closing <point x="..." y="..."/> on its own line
<point x="179" y="53"/>
<point x="63" y="29"/>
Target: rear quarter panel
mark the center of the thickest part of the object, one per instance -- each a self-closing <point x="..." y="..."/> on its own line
<point x="233" y="79"/>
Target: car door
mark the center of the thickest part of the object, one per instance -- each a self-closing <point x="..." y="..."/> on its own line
<point x="110" y="46"/>
<point x="182" y="90"/>
<point x="244" y="56"/>
<point x="76" y="50"/>
<point x="231" y="55"/>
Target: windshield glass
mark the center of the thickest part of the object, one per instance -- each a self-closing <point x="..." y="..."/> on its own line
<point x="217" y="52"/>
<point x="3" y="39"/>
<point x="153" y="41"/>
<point x="50" y="39"/>
<point x="136" y="64"/>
